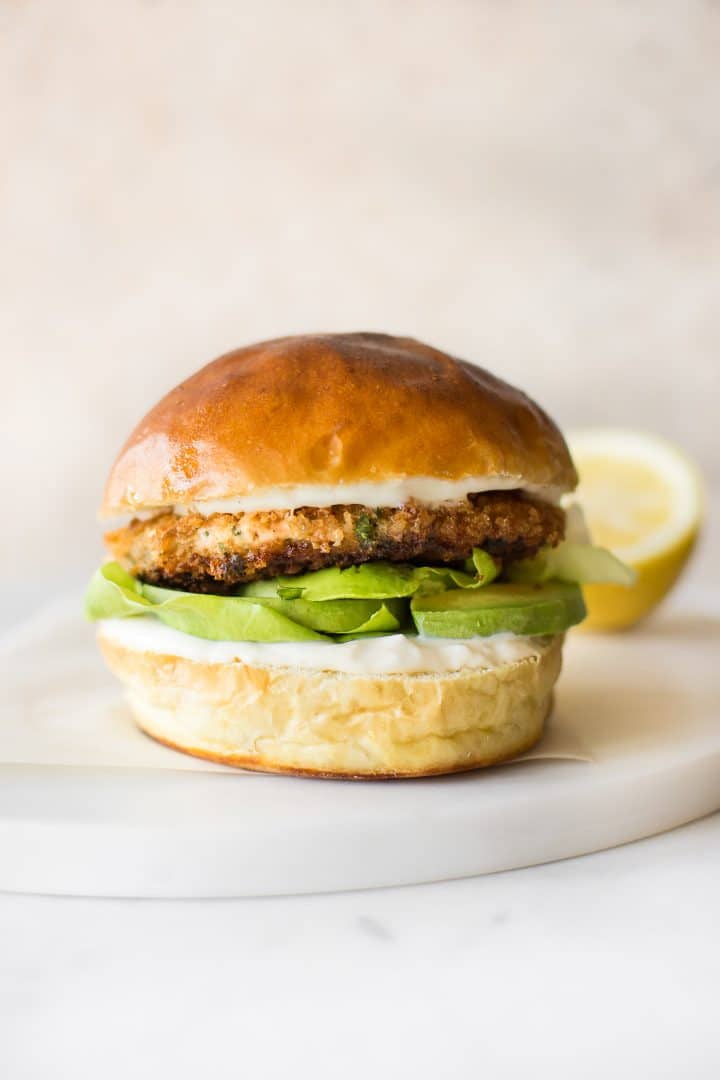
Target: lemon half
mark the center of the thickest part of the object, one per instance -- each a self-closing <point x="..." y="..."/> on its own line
<point x="643" y="499"/>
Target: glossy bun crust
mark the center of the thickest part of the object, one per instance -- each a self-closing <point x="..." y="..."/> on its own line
<point x="321" y="723"/>
<point x="331" y="409"/>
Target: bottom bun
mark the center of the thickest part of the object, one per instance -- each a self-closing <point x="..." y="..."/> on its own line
<point x="331" y="724"/>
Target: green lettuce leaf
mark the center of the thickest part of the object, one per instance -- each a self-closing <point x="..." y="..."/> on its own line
<point x="580" y="564"/>
<point x="376" y="581"/>
<point x="113" y="593"/>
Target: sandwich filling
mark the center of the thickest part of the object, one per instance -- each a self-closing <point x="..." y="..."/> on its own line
<point x="219" y="552"/>
<point x="494" y="563"/>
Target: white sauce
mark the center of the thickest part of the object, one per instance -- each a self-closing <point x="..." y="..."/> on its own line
<point x="393" y="654"/>
<point x="426" y="489"/>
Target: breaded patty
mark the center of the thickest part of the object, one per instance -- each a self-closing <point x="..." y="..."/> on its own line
<point x="222" y="551"/>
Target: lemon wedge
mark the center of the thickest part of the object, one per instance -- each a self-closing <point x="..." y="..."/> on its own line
<point x="643" y="499"/>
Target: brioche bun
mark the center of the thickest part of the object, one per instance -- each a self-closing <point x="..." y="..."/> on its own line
<point x="331" y="409"/>
<point x="330" y="724"/>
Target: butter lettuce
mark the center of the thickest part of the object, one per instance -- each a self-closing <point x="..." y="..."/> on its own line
<point x="113" y="593"/>
<point x="578" y="564"/>
<point x="376" y="581"/>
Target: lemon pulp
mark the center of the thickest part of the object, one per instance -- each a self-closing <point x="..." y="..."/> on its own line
<point x="642" y="499"/>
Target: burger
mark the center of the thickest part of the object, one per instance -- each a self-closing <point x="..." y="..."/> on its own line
<point x="342" y="555"/>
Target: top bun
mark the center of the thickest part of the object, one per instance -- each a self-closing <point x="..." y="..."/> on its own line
<point x="328" y="409"/>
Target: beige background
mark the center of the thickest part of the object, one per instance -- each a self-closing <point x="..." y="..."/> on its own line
<point x="536" y="187"/>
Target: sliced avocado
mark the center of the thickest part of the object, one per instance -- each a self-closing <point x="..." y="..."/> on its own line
<point x="549" y="608"/>
<point x="342" y="616"/>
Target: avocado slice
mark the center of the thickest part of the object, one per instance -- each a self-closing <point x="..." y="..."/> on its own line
<point x="549" y="608"/>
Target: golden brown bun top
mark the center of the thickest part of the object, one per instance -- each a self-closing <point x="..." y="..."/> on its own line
<point x="329" y="409"/>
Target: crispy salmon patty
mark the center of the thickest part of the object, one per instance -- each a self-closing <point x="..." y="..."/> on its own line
<point x="216" y="554"/>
